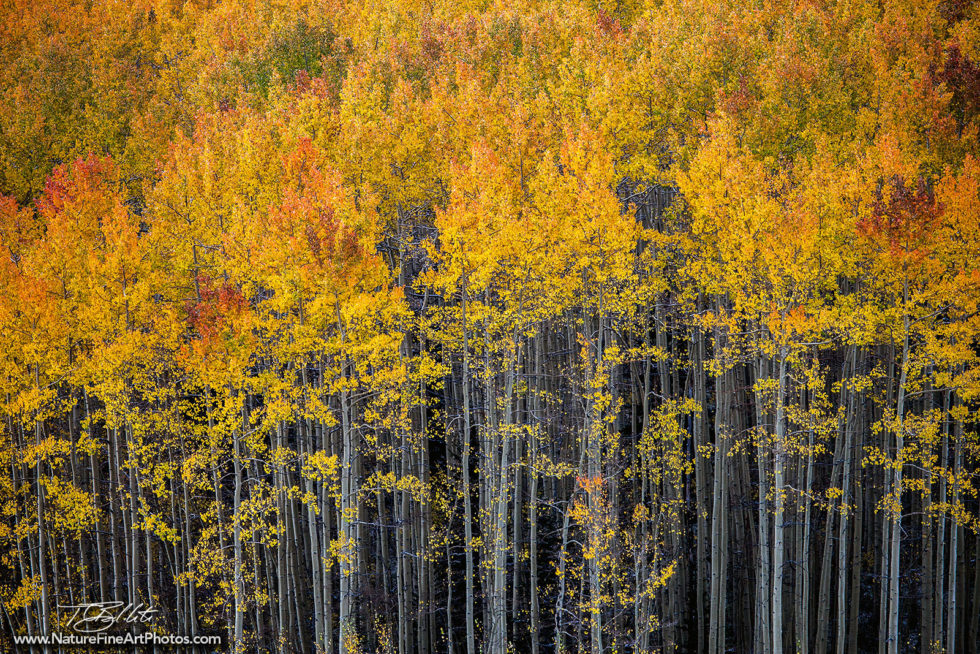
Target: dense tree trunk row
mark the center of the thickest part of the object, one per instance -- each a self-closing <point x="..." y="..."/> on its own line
<point x="701" y="494"/>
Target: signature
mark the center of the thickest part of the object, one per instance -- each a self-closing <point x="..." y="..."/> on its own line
<point x="99" y="616"/>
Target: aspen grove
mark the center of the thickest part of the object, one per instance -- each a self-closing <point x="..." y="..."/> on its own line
<point x="479" y="327"/>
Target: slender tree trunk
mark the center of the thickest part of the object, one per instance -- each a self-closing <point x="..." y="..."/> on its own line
<point x="847" y="500"/>
<point x="954" y="546"/>
<point x="719" y="505"/>
<point x="239" y="589"/>
<point x="763" y="633"/>
<point x="42" y="535"/>
<point x="467" y="493"/>
<point x="701" y="482"/>
<point x="779" y="491"/>
<point x="533" y="503"/>
<point x="896" y="527"/>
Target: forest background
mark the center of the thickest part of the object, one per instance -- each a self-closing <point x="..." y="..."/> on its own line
<point x="395" y="326"/>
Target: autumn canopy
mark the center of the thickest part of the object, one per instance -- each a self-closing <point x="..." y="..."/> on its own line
<point x="487" y="327"/>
